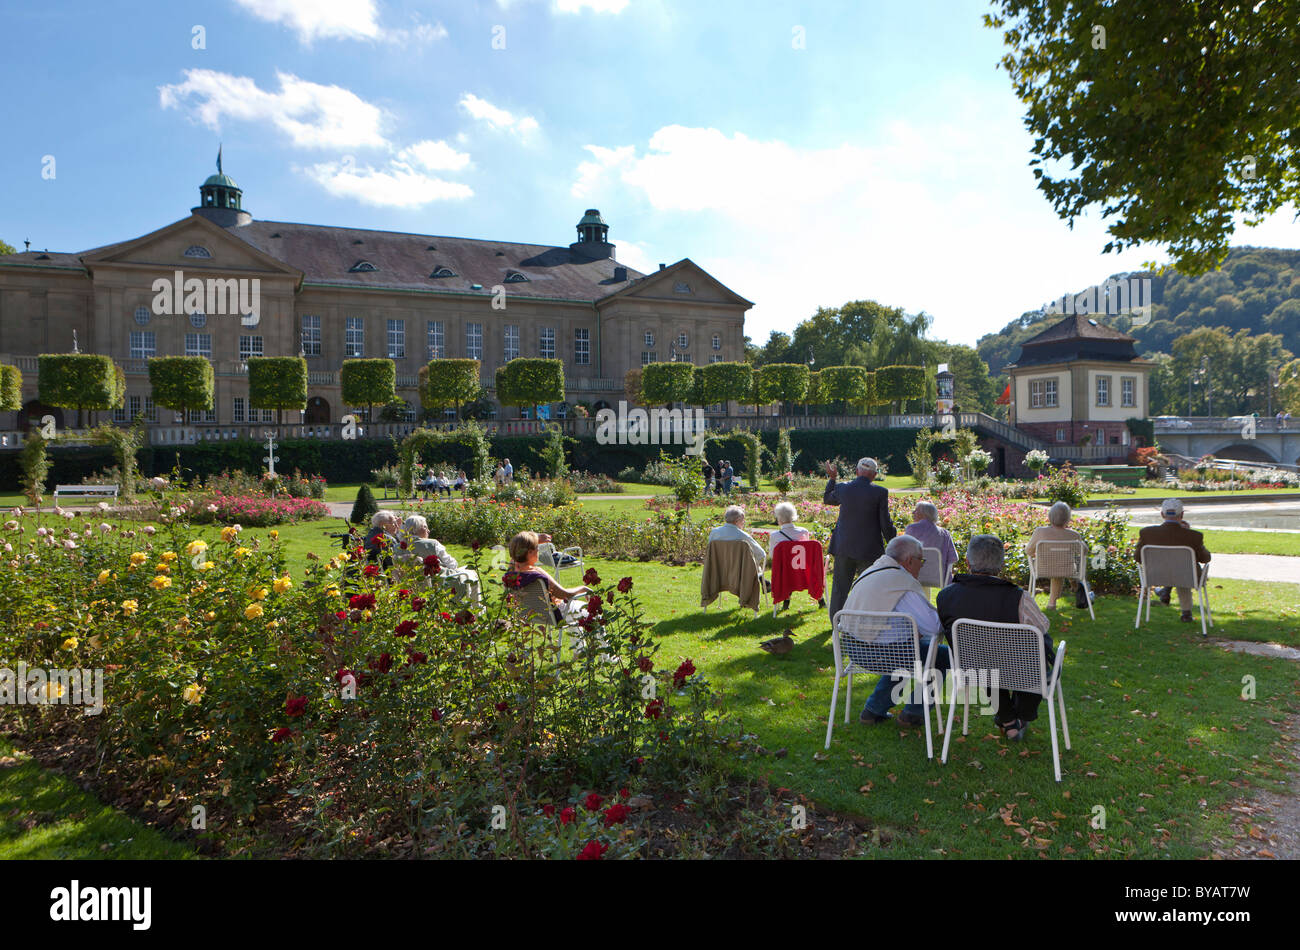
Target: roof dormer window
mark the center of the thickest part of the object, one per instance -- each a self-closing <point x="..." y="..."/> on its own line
<point x="442" y="272"/>
<point x="197" y="250"/>
<point x="362" y="267"/>
<point x="514" y="277"/>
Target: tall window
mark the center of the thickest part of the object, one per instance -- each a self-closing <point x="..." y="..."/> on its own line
<point x="546" y="344"/>
<point x="649" y="340"/>
<point x="474" y="341"/>
<point x="354" y="337"/>
<point x="208" y="416"/>
<point x="717" y="342"/>
<point x="1103" y="390"/>
<point x="715" y="358"/>
<point x="198" y="344"/>
<point x="433" y="339"/>
<point x="648" y="357"/>
<point x="136" y="405"/>
<point x="1042" y="394"/>
<point x="512" y="343"/>
<point x="396" y="339"/>
<point x="682" y="341"/>
<point x="581" y="346"/>
<point x="1127" y="391"/>
<point x="239" y="405"/>
<point x="310" y="334"/>
<point x="144" y="344"/>
<point x="250" y="346"/>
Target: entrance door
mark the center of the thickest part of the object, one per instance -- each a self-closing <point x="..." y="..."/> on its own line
<point x="318" y="412"/>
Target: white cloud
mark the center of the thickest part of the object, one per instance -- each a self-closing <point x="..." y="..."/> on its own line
<point x="337" y="19"/>
<point x="396" y="186"/>
<point x="312" y="115"/>
<point x="635" y="256"/>
<point x="596" y="6"/>
<point x="435" y="156"/>
<point x="497" y="118"/>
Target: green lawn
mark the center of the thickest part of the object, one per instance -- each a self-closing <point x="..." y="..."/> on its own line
<point x="1161" y="492"/>
<point x="45" y="816"/>
<point x="1248" y="542"/>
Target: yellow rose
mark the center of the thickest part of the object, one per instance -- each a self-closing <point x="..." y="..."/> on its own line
<point x="161" y="582"/>
<point x="197" y="546"/>
<point x="193" y="693"/>
<point x="206" y="566"/>
<point x="138" y="558"/>
<point x="275" y="535"/>
<point x="129" y="607"/>
<point x="228" y="534"/>
<point x="242" y="552"/>
<point x="163" y="569"/>
<point x="333" y="565"/>
<point x="103" y="577"/>
<point x="273" y="625"/>
<point x="168" y="557"/>
<point x="210" y="616"/>
<point x="70" y="643"/>
<point x="253" y="611"/>
<point x="331" y="591"/>
<point x="258" y="593"/>
<point x="282" y="584"/>
<point x="344" y="557"/>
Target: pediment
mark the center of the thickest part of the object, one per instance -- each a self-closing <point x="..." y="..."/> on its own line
<point x="191" y="244"/>
<point x="684" y="281"/>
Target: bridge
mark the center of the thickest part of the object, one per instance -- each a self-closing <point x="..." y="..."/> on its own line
<point x="1244" y="438"/>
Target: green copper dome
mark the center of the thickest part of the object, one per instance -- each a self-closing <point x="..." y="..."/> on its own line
<point x="592" y="217"/>
<point x="222" y="180"/>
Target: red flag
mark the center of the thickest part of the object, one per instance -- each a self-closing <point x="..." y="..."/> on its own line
<point x="1005" y="398"/>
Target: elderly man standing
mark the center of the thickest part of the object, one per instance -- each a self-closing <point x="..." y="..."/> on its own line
<point x="889" y="585"/>
<point x="983" y="595"/>
<point x="1176" y="532"/>
<point x="925" y="528"/>
<point x="733" y="529"/>
<point x="861" y="530"/>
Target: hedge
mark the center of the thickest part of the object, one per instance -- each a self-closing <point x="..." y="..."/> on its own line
<point x="368" y="383"/>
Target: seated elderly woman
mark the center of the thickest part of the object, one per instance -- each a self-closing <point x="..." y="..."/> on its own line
<point x="983" y="595"/>
<point x="733" y="529"/>
<point x="524" y="570"/>
<point x="786" y="515"/>
<point x="1058" y="516"/>
<point x="463" y="580"/>
<point x="382" y="541"/>
<point x="925" y="528"/>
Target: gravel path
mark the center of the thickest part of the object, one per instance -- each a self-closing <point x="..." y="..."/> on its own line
<point x="1256" y="567"/>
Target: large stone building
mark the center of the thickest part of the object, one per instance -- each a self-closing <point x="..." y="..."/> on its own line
<point x="1078" y="382"/>
<point x="331" y="293"/>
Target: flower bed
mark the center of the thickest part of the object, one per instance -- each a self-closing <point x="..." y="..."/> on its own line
<point x="258" y="511"/>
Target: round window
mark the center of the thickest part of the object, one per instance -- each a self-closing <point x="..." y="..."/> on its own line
<point x="198" y="320"/>
<point x="142" y="315"/>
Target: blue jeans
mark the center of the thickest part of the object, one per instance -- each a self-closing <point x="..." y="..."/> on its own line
<point x="882" y="698"/>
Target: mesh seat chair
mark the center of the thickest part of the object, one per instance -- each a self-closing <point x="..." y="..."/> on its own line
<point x="737" y="583"/>
<point x="1015" y="654"/>
<point x="886" y="643"/>
<point x="532" y="604"/>
<point x="1164" y="565"/>
<point x="548" y="555"/>
<point x="932" y="571"/>
<point x="1067" y="560"/>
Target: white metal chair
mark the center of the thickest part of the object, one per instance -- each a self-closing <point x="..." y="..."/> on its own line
<point x="550" y="556"/>
<point x="1067" y="560"/>
<point x="1005" y="656"/>
<point x="932" y="571"/>
<point x="532" y="604"/>
<point x="888" y="644"/>
<point x="1167" y="565"/>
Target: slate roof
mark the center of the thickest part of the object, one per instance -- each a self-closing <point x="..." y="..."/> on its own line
<point x="327" y="255"/>
<point x="1078" y="326"/>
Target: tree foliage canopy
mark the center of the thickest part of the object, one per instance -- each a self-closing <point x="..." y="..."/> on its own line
<point x="186" y="382"/>
<point x="449" y="383"/>
<point x="78" y="381"/>
<point x="667" y="382"/>
<point x="277" y="382"/>
<point x="11" y="388"/>
<point x="783" y="382"/>
<point x="368" y="382"/>
<point x="530" y="382"/>
<point x="724" y="382"/>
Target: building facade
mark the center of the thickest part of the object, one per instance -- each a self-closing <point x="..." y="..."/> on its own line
<point x="225" y="286"/>
<point x="1078" y="382"/>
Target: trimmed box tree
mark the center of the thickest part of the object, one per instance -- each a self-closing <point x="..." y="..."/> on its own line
<point x="277" y="382"/>
<point x="726" y="382"/>
<point x="530" y="382"/>
<point x="846" y="384"/>
<point x="11" y="388"/>
<point x="667" y="382"/>
<point x="79" y="381"/>
<point x="897" y="384"/>
<point x="183" y="383"/>
<point x="450" y="383"/>
<point x="783" y="382"/>
<point x="369" y="383"/>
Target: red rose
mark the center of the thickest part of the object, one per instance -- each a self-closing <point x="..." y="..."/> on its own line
<point x="281" y="734"/>
<point x="591" y="578"/>
<point x="645" y="664"/>
<point x="345" y="676"/>
<point x="431" y="565"/>
<point x="567" y="816"/>
<point x="417" y="603"/>
<point x="361" y="601"/>
<point x="682" y="672"/>
<point x="594" y="604"/>
<point x="436" y="715"/>
<point x="414" y="657"/>
<point x="341" y="614"/>
<point x="655" y="709"/>
<point x="463" y="617"/>
<point x="474" y="545"/>
<point x="548" y="811"/>
<point x="407" y="628"/>
<point x="502" y="706"/>
<point x="372" y="570"/>
<point x="623" y="793"/>
<point x="295" y="705"/>
<point x="383" y="664"/>
<point x="512" y="579"/>
<point x="615" y="814"/>
<point x="592" y="801"/>
<point x="403" y="594"/>
<point x="625" y="585"/>
<point x="445" y="616"/>
<point x="593" y="851"/>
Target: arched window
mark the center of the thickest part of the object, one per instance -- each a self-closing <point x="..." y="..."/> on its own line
<point x="443" y="272"/>
<point x="198" y="250"/>
<point x="514" y="277"/>
<point x="362" y="267"/>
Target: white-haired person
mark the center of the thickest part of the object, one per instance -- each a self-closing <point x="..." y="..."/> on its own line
<point x="1175" y="532"/>
<point x="1058" y="517"/>
<point x="733" y="529"/>
<point x="862" y="528"/>
<point x="983" y="595"/>
<point x="925" y="528"/>
<point x="382" y="542"/>
<point x="463" y="580"/>
<point x="890" y="585"/>
<point x="786" y="515"/>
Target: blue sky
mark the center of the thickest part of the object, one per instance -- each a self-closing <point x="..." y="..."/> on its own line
<point x="804" y="153"/>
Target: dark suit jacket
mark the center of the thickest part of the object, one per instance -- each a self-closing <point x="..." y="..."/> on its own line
<point x="1173" y="533"/>
<point x="863" y="526"/>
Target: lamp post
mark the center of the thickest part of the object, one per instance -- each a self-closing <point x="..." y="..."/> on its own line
<point x="811" y="363"/>
<point x="1209" y="386"/>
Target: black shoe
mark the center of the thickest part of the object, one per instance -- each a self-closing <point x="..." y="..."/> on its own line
<point x="821" y="602"/>
<point x="785" y="604"/>
<point x="910" y="719"/>
<point x="1185" y="616"/>
<point x="1163" y="594"/>
<point x="871" y="719"/>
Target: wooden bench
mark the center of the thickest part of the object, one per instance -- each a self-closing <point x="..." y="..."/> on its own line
<point x="85" y="491"/>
